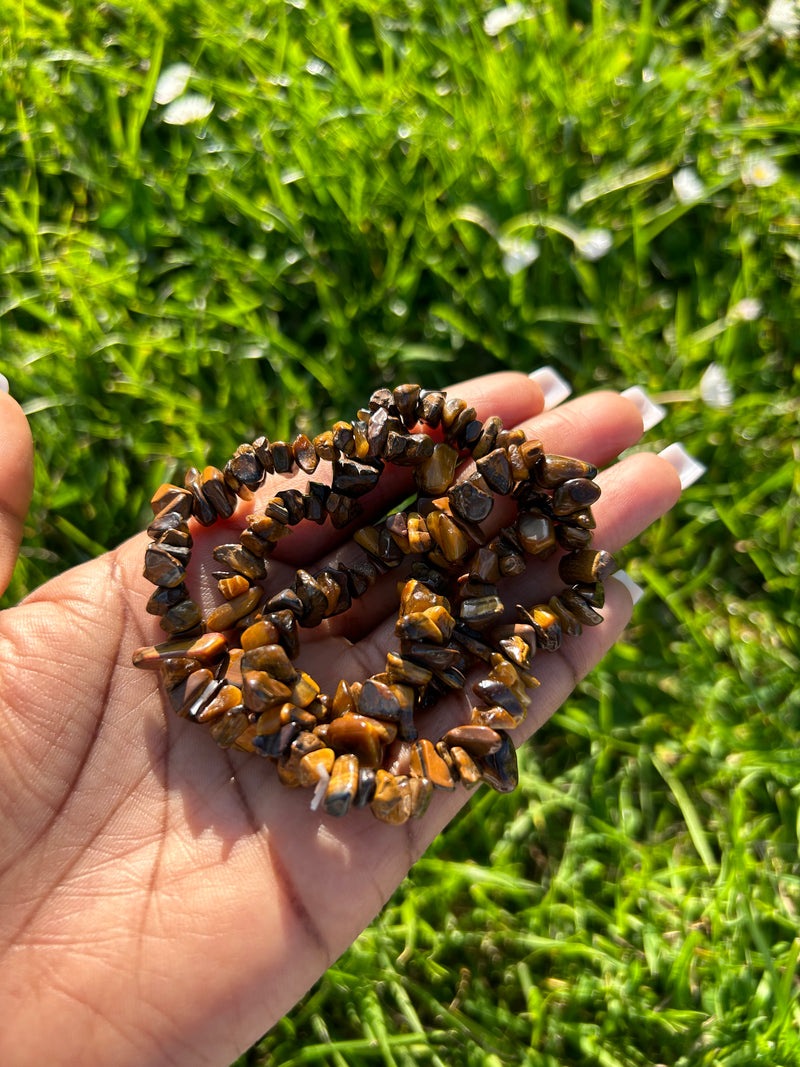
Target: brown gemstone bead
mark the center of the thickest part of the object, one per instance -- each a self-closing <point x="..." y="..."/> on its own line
<point x="162" y="567"/>
<point x="573" y="537"/>
<point x="574" y="494"/>
<point x="405" y="399"/>
<point x="387" y="803"/>
<point x="450" y="538"/>
<point x="406" y="671"/>
<point x="229" y="727"/>
<point x="495" y="717"/>
<point x="586" y="565"/>
<point x="342" y="786"/>
<point x="271" y="658"/>
<point x="481" y="611"/>
<point x="496" y="471"/>
<point x="239" y="559"/>
<point x="172" y="498"/>
<point x="233" y="587"/>
<point x="570" y="625"/>
<point x="304" y="454"/>
<point x="314" y="764"/>
<point x="364" y="737"/>
<point x="477" y="740"/>
<point x="499" y="769"/>
<point x="546" y="625"/>
<point x="226" y="697"/>
<point x="263" y="632"/>
<point x="434" y="476"/>
<point x="431" y="406"/>
<point x="552" y="471"/>
<point x="206" y="650"/>
<point x="425" y="762"/>
<point x="592" y="592"/>
<point x="189" y="695"/>
<point x="577" y="606"/>
<point x="487" y="441"/>
<point x="344" y="441"/>
<point x="341" y="509"/>
<point x="217" y="493"/>
<point x="469" y="502"/>
<point x="282" y="457"/>
<point x="226" y="615"/>
<point x="466" y="767"/>
<point x="493" y="692"/>
<point x="536" y="533"/>
<point x="354" y="479"/>
<point x="407" y="450"/>
<point x="166" y="597"/>
<point x="246" y="467"/>
<point x="260" y="691"/>
<point x="323" y="445"/>
<point x="421" y="792"/>
<point x="182" y="617"/>
<point x="201" y="508"/>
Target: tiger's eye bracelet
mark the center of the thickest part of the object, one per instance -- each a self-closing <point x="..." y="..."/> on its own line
<point x="245" y="686"/>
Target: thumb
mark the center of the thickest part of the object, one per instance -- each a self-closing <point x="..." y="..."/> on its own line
<point x="16" y="480"/>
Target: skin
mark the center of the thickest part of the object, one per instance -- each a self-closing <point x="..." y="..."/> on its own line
<point x="163" y="901"/>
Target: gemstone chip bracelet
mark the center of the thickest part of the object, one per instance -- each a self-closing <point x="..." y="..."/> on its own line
<point x="234" y="670"/>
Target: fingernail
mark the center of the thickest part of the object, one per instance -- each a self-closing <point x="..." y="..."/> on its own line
<point x="554" y="387"/>
<point x="636" y="592"/>
<point x="689" y="468"/>
<point x="3" y="383"/>
<point x="651" y="413"/>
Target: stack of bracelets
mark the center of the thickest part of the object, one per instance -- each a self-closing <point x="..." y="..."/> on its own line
<point x="233" y="671"/>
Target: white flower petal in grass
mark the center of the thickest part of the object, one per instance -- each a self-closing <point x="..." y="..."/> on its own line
<point x="502" y="17"/>
<point x="761" y="171"/>
<point x="746" y="310"/>
<point x="193" y="107"/>
<point x="171" y="83"/>
<point x="783" y="17"/>
<point x="715" y="388"/>
<point x="517" y="254"/>
<point x="593" y="244"/>
<point x="688" y="186"/>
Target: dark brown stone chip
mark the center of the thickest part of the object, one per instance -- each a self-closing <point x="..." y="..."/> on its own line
<point x="170" y="497"/>
<point x="477" y="740"/>
<point x="162" y="567"/>
<point x="239" y="559"/>
<point x="586" y="565"/>
<point x="469" y="502"/>
<point x="551" y="471"/>
<point x="201" y="508"/>
<point x="304" y="453"/>
<point x="496" y="470"/>
<point x="182" y="617"/>
<point x="166" y="597"/>
<point x="405" y="400"/>
<point x="499" y="769"/>
<point x="574" y="494"/>
<point x="217" y="493"/>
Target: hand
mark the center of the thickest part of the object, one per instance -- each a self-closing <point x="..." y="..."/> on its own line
<point x="165" y="901"/>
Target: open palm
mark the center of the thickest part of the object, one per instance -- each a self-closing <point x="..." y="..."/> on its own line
<point x="162" y="900"/>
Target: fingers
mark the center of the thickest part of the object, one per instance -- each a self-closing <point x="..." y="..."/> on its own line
<point x="16" y="482"/>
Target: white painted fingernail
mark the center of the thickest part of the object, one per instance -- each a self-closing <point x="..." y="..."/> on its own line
<point x="689" y="468"/>
<point x="3" y="383"/>
<point x="651" y="413"/>
<point x="554" y="387"/>
<point x="636" y="592"/>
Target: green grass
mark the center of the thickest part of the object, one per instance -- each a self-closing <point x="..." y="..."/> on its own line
<point x="339" y="220"/>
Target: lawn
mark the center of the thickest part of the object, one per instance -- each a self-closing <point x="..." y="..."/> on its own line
<point x="220" y="219"/>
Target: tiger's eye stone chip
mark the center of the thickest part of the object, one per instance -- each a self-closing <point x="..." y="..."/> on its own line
<point x="182" y="617"/>
<point x="225" y="699"/>
<point x="405" y="399"/>
<point x="260" y="691"/>
<point x="421" y="791"/>
<point x="496" y="717"/>
<point x="469" y="502"/>
<point x="496" y="470"/>
<point x="477" y="740"/>
<point x="546" y="625"/>
<point x="271" y="658"/>
<point x="162" y="567"/>
<point x="233" y="587"/>
<point x="573" y="537"/>
<point x="314" y="764"/>
<point x="239" y="559"/>
<point x="365" y="738"/>
<point x="425" y="762"/>
<point x="577" y="606"/>
<point x="342" y="787"/>
<point x="574" y="494"/>
<point x="304" y="453"/>
<point x="201" y="508"/>
<point x="386" y="798"/>
<point x="217" y="493"/>
<point x="570" y="624"/>
<point x="499" y="769"/>
<point x="407" y="450"/>
<point x="537" y="534"/>
<point x="206" y="650"/>
<point x="171" y="498"/>
<point x="227" y="614"/>
<point x="166" y="597"/>
<point x="552" y="471"/>
<point x="586" y="565"/>
<point x="434" y="476"/>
